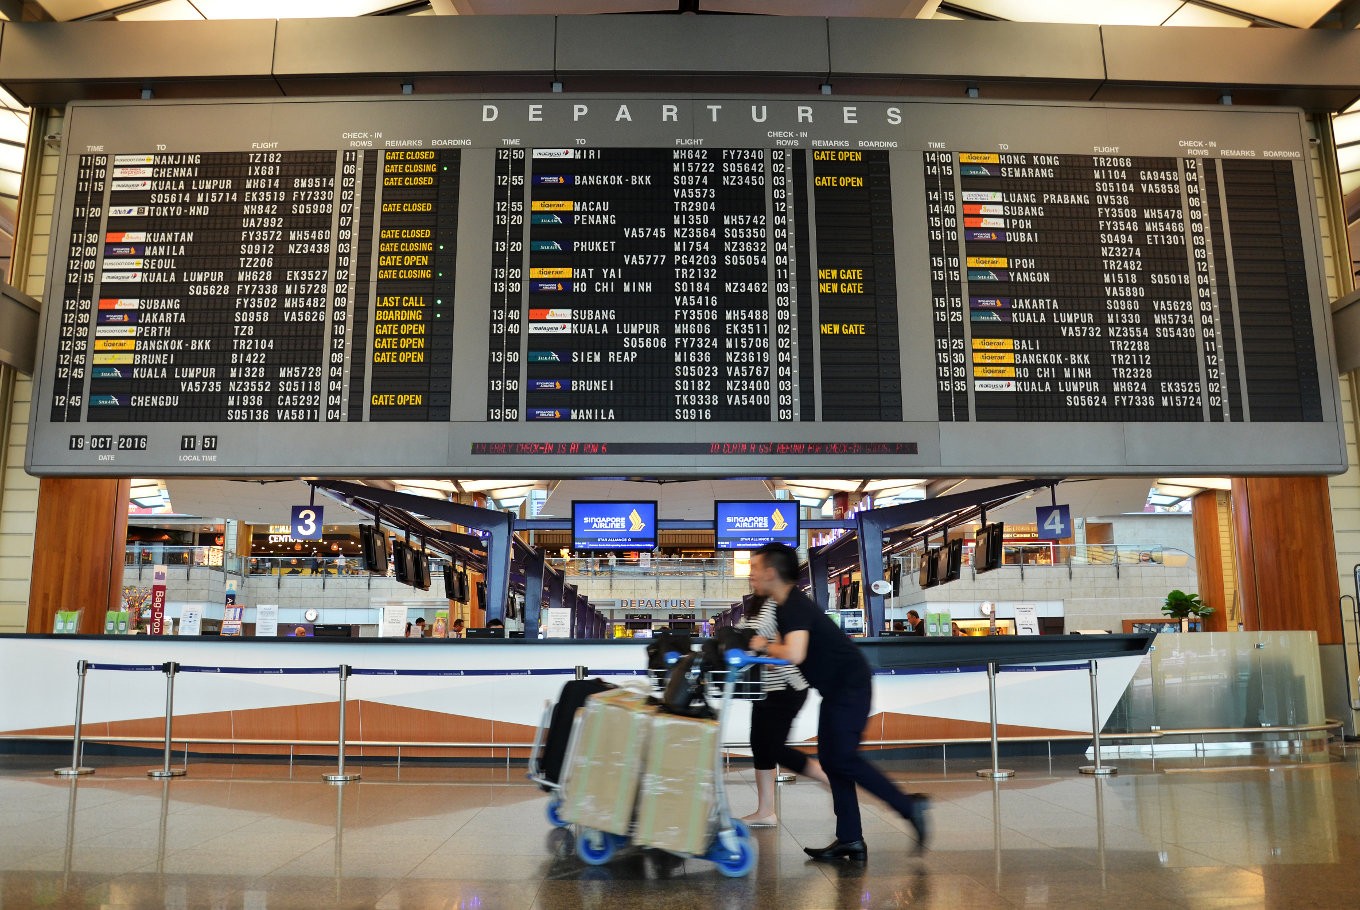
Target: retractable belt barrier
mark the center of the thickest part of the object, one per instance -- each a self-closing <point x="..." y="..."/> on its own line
<point x="344" y="671"/>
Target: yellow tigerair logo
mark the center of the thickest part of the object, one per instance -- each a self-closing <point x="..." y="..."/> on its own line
<point x="636" y="519"/>
<point x="979" y="158"/>
<point x="778" y="520"/>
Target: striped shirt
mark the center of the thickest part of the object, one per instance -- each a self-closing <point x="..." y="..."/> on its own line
<point x="773" y="678"/>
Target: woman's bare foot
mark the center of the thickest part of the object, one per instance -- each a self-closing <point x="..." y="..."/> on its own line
<point x="756" y="820"/>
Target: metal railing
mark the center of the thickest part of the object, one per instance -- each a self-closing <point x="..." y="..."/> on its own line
<point x="344" y="673"/>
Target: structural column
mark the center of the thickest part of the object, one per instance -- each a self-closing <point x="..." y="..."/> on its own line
<point x="1286" y="555"/>
<point x="78" y="549"/>
<point x="1214" y="561"/>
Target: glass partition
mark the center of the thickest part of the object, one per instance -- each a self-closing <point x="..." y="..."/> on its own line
<point x="1223" y="680"/>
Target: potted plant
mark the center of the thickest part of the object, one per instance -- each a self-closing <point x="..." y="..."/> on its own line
<point x="1182" y="606"/>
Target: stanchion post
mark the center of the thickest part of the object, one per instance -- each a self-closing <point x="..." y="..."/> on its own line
<point x="581" y="672"/>
<point x="1097" y="769"/>
<point x="76" y="770"/>
<point x="995" y="772"/>
<point x="340" y="776"/>
<point x="169" y="668"/>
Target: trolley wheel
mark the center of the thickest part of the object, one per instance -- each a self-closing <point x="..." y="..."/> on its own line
<point x="595" y="847"/>
<point x="741" y="858"/>
<point x="554" y="813"/>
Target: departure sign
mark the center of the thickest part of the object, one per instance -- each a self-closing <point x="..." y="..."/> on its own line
<point x="701" y="286"/>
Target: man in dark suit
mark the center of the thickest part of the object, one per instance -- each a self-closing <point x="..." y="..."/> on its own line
<point x="833" y="665"/>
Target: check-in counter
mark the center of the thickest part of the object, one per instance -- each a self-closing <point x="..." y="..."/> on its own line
<point x="484" y="698"/>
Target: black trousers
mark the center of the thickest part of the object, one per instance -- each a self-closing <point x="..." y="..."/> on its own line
<point x="839" y="729"/>
<point x="771" y="721"/>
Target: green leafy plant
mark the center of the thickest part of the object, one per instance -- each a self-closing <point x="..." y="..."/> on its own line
<point x="1180" y="605"/>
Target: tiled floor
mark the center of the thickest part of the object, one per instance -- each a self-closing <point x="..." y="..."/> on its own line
<point x="1250" y="833"/>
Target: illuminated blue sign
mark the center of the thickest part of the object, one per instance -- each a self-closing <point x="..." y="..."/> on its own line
<point x="613" y="525"/>
<point x="750" y="525"/>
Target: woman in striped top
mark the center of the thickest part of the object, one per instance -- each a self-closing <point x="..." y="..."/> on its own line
<point x="772" y="718"/>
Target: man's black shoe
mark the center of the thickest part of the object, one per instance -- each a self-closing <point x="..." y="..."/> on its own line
<point x="920" y="803"/>
<point x="855" y="850"/>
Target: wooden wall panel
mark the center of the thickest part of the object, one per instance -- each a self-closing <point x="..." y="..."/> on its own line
<point x="1286" y="555"/>
<point x="1209" y="559"/>
<point x="78" y="550"/>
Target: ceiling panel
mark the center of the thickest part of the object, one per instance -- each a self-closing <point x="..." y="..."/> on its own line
<point x="13" y="127"/>
<point x="871" y="9"/>
<point x="1299" y="13"/>
<point x="66" y="10"/>
<point x="165" y="11"/>
<point x="296" y="9"/>
<point x="1346" y="128"/>
<point x="252" y="502"/>
<point x="1199" y="17"/>
<point x="1095" y="12"/>
<point x="1348" y="157"/>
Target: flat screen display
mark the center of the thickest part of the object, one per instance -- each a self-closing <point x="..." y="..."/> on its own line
<point x="750" y="525"/>
<point x="599" y="525"/>
<point x="684" y="286"/>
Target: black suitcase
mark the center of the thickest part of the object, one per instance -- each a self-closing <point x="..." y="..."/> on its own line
<point x="573" y="697"/>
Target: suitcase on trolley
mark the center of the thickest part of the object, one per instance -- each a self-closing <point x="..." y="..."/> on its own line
<point x="678" y="798"/>
<point x="572" y="699"/>
<point x="604" y="764"/>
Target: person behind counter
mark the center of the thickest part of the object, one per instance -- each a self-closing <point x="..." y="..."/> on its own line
<point x="833" y="665"/>
<point x="915" y="625"/>
<point x="458" y="630"/>
<point x="420" y="627"/>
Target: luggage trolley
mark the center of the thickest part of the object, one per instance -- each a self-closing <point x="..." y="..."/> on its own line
<point x="548" y="773"/>
<point x="730" y="843"/>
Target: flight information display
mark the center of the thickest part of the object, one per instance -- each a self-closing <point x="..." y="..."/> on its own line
<point x="697" y="286"/>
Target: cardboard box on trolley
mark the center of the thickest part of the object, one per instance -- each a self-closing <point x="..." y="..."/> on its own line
<point x="601" y="777"/>
<point x="678" y="796"/>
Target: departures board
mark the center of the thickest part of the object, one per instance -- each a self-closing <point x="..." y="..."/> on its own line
<point x="578" y="285"/>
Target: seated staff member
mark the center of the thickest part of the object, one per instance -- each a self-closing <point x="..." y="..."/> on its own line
<point x="771" y="719"/>
<point x="834" y="666"/>
<point x="916" y="626"/>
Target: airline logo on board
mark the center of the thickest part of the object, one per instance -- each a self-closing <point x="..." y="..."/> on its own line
<point x="994" y="385"/>
<point x="127" y="211"/>
<point x="550" y="328"/>
<point x="554" y="153"/>
<point x="547" y="357"/>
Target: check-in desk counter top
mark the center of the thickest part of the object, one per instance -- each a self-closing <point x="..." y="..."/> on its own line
<point x="490" y="693"/>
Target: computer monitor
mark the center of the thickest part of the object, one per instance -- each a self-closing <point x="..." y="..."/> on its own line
<point x="988" y="553"/>
<point x="742" y="525"/>
<point x="374" y="544"/>
<point x="927" y="577"/>
<point x="607" y="525"/>
<point x="941" y="564"/>
<point x="954" y="565"/>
